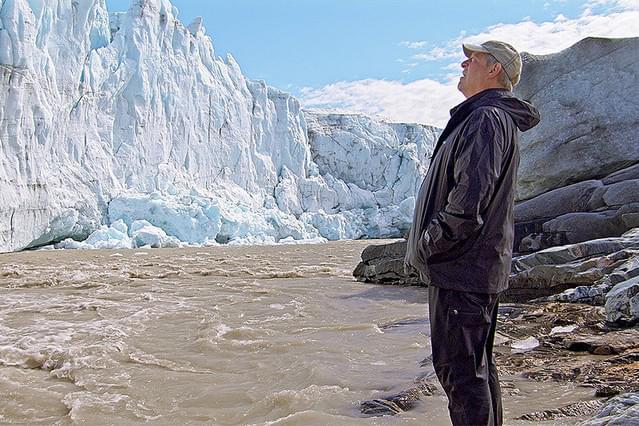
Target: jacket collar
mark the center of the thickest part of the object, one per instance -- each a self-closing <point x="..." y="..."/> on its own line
<point x="459" y="113"/>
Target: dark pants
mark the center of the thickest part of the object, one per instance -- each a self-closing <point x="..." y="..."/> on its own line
<point x="462" y="331"/>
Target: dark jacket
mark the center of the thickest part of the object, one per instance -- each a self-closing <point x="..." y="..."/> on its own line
<point x="463" y="226"/>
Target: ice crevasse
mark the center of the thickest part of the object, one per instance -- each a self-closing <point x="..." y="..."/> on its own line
<point x="126" y="128"/>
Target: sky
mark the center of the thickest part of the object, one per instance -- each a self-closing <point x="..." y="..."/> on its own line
<point x="397" y="60"/>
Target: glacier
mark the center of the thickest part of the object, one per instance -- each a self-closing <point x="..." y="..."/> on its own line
<point x="122" y="130"/>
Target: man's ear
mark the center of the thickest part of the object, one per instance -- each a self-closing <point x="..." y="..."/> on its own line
<point x="495" y="70"/>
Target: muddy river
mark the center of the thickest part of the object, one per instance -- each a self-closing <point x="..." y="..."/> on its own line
<point x="266" y="335"/>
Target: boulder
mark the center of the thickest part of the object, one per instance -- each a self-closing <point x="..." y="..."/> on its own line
<point x="622" y="303"/>
<point x="621" y="410"/>
<point x="621" y="193"/>
<point x="571" y="198"/>
<point x="596" y="294"/>
<point x="541" y="240"/>
<point x="582" y="272"/>
<point x="573" y="252"/>
<point x="384" y="264"/>
<point x="397" y="403"/>
<point x="584" y="226"/>
<point x="589" y="119"/>
<point x="574" y="409"/>
<point x="628" y="173"/>
<point x="579" y="212"/>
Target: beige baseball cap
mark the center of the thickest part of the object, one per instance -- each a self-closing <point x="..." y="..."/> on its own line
<point x="505" y="54"/>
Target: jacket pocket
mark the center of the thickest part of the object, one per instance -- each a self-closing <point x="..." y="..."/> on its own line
<point x="467" y="331"/>
<point x="456" y="252"/>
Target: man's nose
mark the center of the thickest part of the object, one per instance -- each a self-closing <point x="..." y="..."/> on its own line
<point x="464" y="64"/>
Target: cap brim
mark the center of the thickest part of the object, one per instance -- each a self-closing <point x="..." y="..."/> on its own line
<point x="470" y="48"/>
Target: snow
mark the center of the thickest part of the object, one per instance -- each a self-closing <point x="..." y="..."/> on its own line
<point x="110" y="119"/>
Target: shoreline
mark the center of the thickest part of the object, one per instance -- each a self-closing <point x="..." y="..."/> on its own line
<point x="592" y="355"/>
<point x="601" y="361"/>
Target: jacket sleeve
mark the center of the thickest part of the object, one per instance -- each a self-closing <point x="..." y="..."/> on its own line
<point x="477" y="165"/>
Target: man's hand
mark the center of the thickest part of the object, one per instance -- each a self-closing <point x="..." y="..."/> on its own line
<point x="408" y="269"/>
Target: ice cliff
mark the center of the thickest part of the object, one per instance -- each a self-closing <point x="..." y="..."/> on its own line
<point x="129" y="126"/>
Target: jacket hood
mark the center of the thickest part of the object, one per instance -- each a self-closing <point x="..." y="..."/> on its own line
<point x="522" y="112"/>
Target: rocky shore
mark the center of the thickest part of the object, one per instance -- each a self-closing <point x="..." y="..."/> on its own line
<point x="585" y="335"/>
<point x="571" y="313"/>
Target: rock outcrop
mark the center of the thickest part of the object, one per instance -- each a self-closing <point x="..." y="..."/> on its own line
<point x="587" y="98"/>
<point x="384" y="264"/>
<point x="579" y="212"/>
<point x="589" y="269"/>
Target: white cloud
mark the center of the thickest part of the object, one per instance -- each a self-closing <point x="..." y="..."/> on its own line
<point x="414" y="44"/>
<point x="550" y="37"/>
<point x="421" y="101"/>
<point x="617" y="4"/>
<point x="428" y="101"/>
<point x="553" y="36"/>
<point x="436" y="54"/>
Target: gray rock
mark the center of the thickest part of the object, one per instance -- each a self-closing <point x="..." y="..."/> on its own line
<point x="384" y="264"/>
<point x="572" y="252"/>
<point x="592" y="295"/>
<point x="542" y="240"/>
<point x="581" y="272"/>
<point x="374" y="253"/>
<point x="625" y="271"/>
<point x="596" y="201"/>
<point x="622" y="410"/>
<point x="614" y="194"/>
<point x="578" y="227"/>
<point x="584" y="272"/>
<point x="578" y="212"/>
<point x="621" y="193"/>
<point x="580" y="408"/>
<point x="398" y="403"/>
<point x="596" y="294"/>
<point x="630" y="215"/>
<point x="545" y="280"/>
<point x="584" y="226"/>
<point x="628" y="173"/>
<point x="633" y="233"/>
<point x="622" y="302"/>
<point x="571" y="198"/>
<point x="589" y="120"/>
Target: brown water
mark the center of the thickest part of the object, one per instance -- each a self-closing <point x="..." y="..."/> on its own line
<point x="219" y="336"/>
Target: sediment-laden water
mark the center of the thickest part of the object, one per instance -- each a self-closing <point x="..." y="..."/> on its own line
<point x="218" y="336"/>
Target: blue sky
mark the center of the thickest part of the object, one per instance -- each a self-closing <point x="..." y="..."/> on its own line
<point x="397" y="59"/>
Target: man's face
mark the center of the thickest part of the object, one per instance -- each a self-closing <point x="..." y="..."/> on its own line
<point x="475" y="75"/>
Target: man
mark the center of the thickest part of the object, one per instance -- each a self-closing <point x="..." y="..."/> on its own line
<point x="462" y="234"/>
